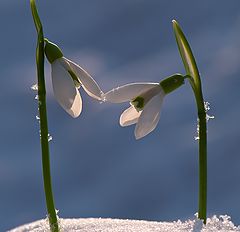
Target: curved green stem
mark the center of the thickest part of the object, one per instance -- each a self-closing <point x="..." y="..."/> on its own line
<point x="195" y="81"/>
<point x="43" y="121"/>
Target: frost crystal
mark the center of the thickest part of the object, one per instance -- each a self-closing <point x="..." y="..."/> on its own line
<point x="34" y="87"/>
<point x="49" y="138"/>
<point x="208" y="117"/>
<point x="207" y="108"/>
<point x="103" y="99"/>
<point x="197" y="136"/>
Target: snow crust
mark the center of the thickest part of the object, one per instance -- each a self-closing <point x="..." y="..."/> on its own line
<point x="214" y="224"/>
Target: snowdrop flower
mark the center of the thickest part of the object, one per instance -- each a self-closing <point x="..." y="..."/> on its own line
<point x="146" y="101"/>
<point x="67" y="78"/>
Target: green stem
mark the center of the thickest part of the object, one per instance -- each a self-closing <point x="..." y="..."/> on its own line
<point x="43" y="121"/>
<point x="202" y="211"/>
<point x="195" y="81"/>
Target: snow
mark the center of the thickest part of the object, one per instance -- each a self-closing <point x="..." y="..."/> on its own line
<point x="214" y="224"/>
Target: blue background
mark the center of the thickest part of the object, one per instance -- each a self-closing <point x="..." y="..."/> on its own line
<point x="98" y="168"/>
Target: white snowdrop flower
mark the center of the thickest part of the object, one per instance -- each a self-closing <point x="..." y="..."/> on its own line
<point x="146" y="101"/>
<point x="67" y="78"/>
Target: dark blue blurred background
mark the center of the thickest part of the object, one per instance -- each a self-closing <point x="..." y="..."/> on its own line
<point x="98" y="168"/>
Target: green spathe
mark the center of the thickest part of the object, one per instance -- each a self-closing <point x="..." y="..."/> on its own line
<point x="52" y="51"/>
<point x="171" y="83"/>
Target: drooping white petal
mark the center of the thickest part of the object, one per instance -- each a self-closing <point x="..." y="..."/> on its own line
<point x="64" y="90"/>
<point x="128" y="92"/>
<point x="76" y="108"/>
<point x="129" y="116"/>
<point x="88" y="83"/>
<point x="150" y="116"/>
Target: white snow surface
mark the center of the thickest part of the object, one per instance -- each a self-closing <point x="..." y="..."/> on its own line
<point x="214" y="224"/>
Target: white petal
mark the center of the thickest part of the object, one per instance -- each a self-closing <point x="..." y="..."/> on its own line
<point x="129" y="116"/>
<point x="76" y="108"/>
<point x="127" y="92"/>
<point x="65" y="91"/>
<point x="89" y="84"/>
<point x="150" y="116"/>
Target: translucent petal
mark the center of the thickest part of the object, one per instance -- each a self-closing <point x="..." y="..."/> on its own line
<point x="89" y="84"/>
<point x="65" y="91"/>
<point x="150" y="116"/>
<point x="129" y="116"/>
<point x="127" y="92"/>
<point x="76" y="108"/>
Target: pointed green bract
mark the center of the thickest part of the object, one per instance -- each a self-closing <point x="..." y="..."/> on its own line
<point x="189" y="64"/>
<point x="186" y="54"/>
<point x="36" y="18"/>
